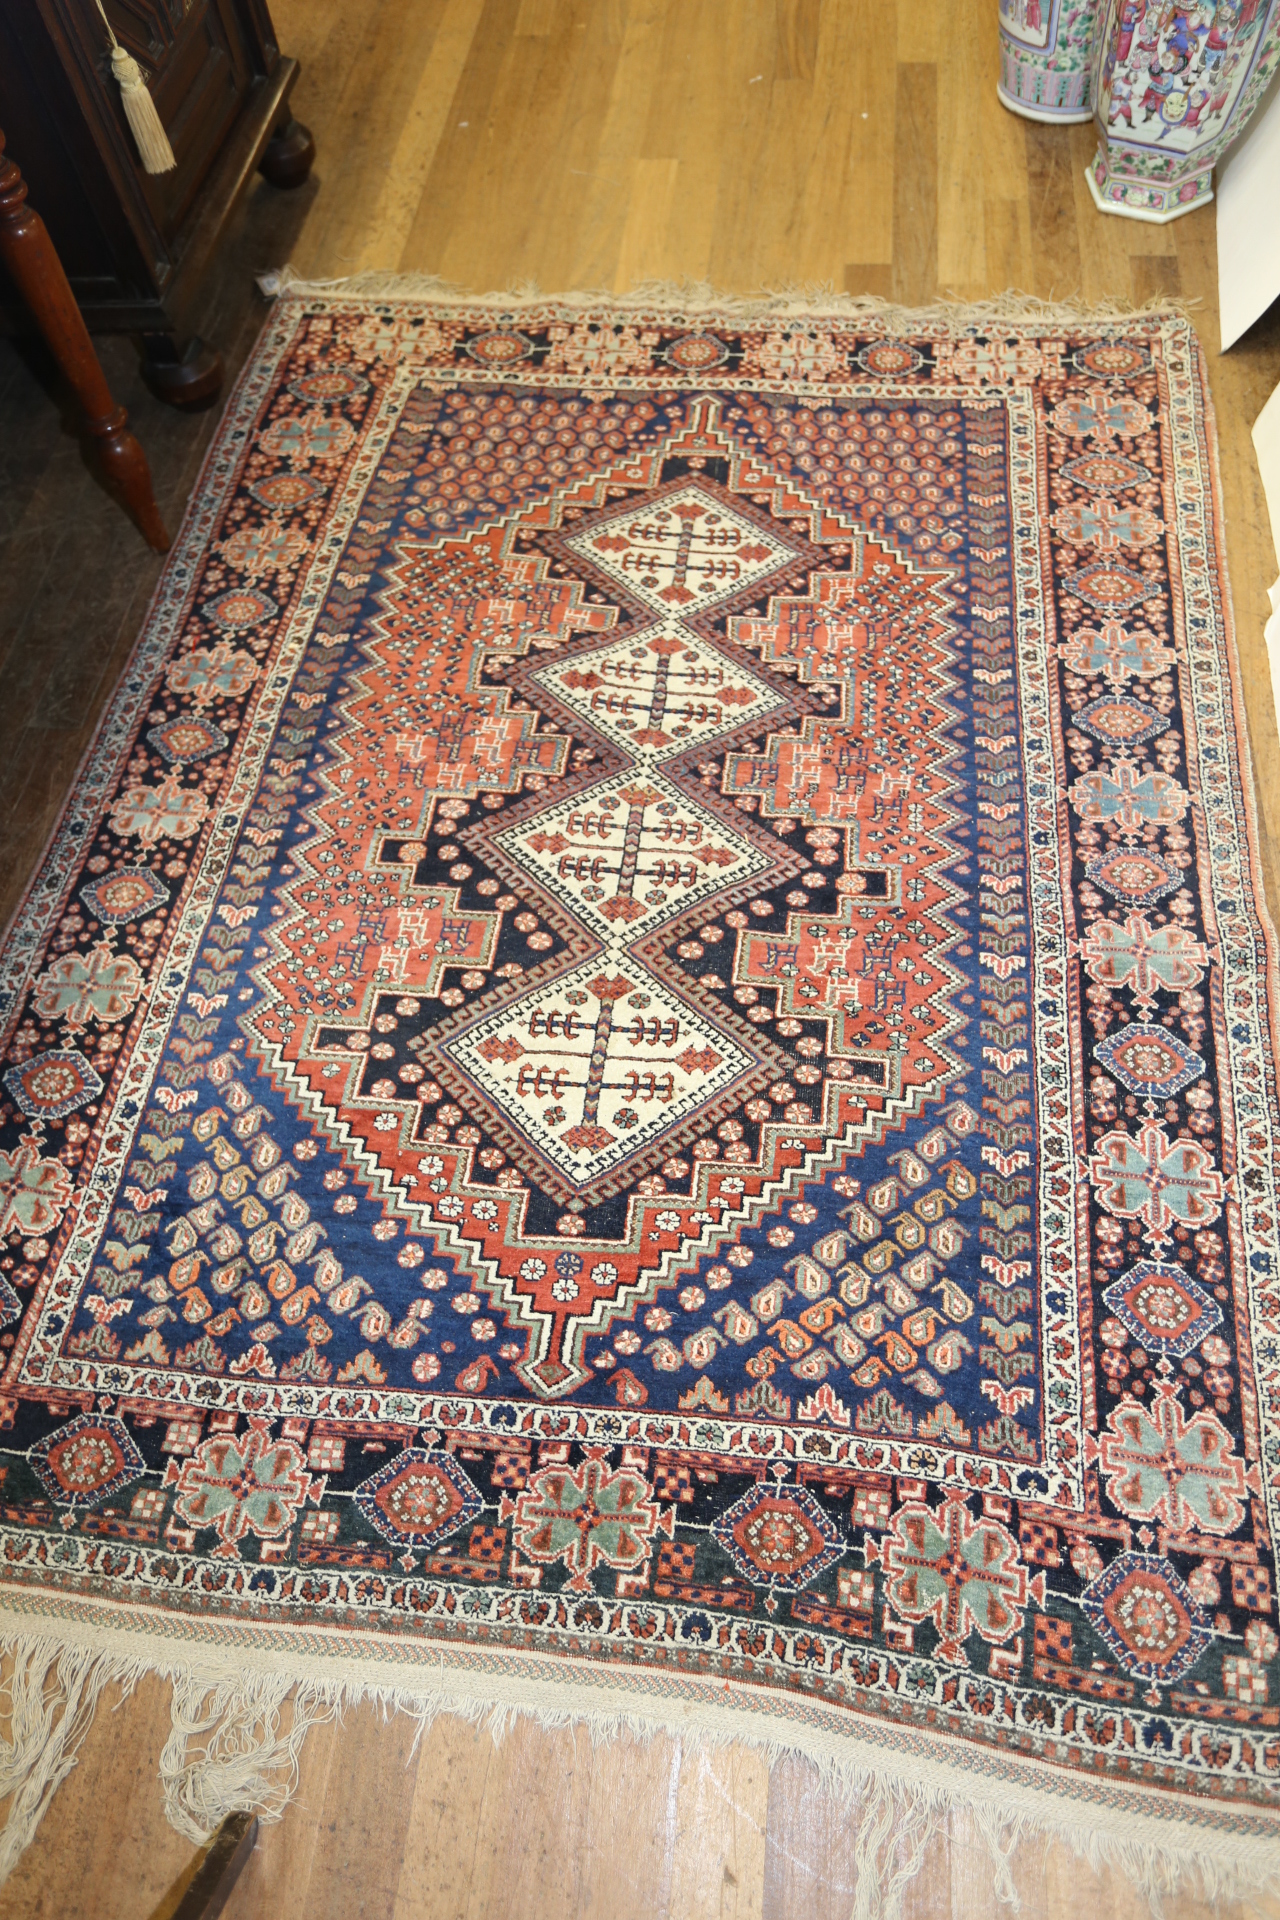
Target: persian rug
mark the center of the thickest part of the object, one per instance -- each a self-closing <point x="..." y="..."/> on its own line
<point x="640" y="1084"/>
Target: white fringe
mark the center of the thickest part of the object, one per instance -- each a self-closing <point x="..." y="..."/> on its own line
<point x="696" y="298"/>
<point x="238" y="1731"/>
<point x="48" y="1698"/>
<point x="225" y="1752"/>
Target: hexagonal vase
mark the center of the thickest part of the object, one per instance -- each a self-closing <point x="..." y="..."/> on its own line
<point x="1047" y="58"/>
<point x="1174" y="83"/>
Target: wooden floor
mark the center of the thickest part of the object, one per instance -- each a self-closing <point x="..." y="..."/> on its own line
<point x="748" y="143"/>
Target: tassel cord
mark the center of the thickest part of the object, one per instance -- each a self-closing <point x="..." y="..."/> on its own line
<point x="140" y="109"/>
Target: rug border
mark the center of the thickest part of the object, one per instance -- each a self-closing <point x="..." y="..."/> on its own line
<point x="1121" y="1821"/>
<point x="116" y="702"/>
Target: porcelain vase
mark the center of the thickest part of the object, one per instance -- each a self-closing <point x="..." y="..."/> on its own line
<point x="1047" y="57"/>
<point x="1174" y="83"/>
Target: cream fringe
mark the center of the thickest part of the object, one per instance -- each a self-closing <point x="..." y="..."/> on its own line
<point x="691" y="298"/>
<point x="48" y="1699"/>
<point x="227" y="1750"/>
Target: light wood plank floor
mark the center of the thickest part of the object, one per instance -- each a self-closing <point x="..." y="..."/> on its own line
<point x="581" y="143"/>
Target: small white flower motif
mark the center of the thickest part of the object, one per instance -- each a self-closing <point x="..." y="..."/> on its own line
<point x="666" y="1221"/>
<point x="385" y="1230"/>
<point x="432" y="1164"/>
<point x="426" y="1367"/>
<point x="410" y="1255"/>
<point x="450" y="1208"/>
<point x="691" y="1298"/>
<point x="483" y="1330"/>
<point x="732" y="1186"/>
<point x="718" y="1277"/>
<point x="532" y="1269"/>
<point x="605" y="1359"/>
<point x="780" y="1236"/>
<point x="628" y="1342"/>
<point x="305" y="1149"/>
<point x="465" y="1302"/>
<point x="740" y="1256"/>
<point x="386" y="1122"/>
<point x="604" y="1274"/>
<point x="345" y="1203"/>
<point x="564" y="1290"/>
<point x="485" y="1209"/>
<point x="803" y="1214"/>
<point x="657" y="1319"/>
<point x="511" y="1350"/>
<point x="434" y="1279"/>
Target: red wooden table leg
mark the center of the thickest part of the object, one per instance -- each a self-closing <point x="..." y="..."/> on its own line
<point x="28" y="253"/>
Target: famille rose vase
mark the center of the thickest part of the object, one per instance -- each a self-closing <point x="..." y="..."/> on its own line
<point x="1175" y="82"/>
<point x="1047" y="57"/>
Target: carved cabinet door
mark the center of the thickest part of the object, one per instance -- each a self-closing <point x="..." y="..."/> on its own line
<point x="200" y="60"/>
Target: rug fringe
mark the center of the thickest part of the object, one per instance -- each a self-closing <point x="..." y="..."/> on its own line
<point x="226" y="1751"/>
<point x="238" y="1730"/>
<point x="813" y="302"/>
<point x="48" y="1698"/>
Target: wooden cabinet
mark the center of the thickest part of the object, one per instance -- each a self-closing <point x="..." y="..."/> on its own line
<point x="134" y="245"/>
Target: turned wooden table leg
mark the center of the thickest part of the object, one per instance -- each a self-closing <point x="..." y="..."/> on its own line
<point x="28" y="253"/>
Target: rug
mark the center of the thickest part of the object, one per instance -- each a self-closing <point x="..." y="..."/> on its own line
<point x="640" y="1083"/>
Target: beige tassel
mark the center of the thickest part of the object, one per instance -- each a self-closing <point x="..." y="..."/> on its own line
<point x="154" y="150"/>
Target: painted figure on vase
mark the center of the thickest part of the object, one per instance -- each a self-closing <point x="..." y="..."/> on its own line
<point x="1047" y="57"/>
<point x="1162" y="78"/>
<point x="1126" y="21"/>
<point x="1174" y="83"/>
<point x="1121" y="102"/>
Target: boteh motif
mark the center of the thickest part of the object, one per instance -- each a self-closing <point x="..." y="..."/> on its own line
<point x="648" y="1043"/>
